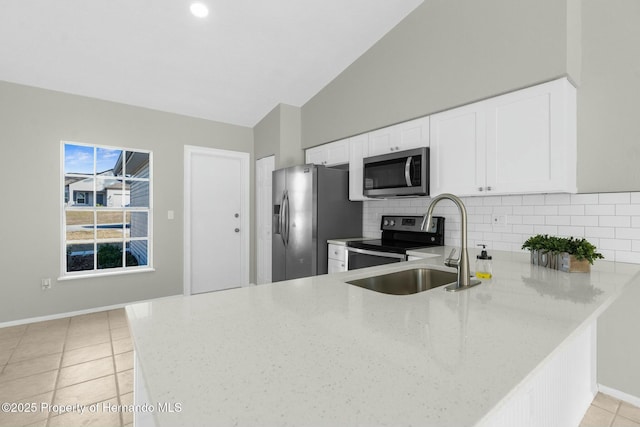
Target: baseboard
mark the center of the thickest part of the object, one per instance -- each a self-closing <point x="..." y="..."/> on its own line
<point x="74" y="313"/>
<point x="620" y="395"/>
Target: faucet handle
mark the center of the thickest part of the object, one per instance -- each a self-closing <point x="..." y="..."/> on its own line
<point x="450" y="262"/>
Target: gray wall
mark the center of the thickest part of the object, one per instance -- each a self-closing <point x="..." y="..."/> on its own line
<point x="446" y="53"/>
<point x="278" y="133"/>
<point x="609" y="97"/>
<point x="32" y="124"/>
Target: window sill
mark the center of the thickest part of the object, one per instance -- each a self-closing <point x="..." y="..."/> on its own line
<point x="106" y="273"/>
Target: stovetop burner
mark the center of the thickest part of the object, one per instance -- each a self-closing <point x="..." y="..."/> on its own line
<point x="401" y="233"/>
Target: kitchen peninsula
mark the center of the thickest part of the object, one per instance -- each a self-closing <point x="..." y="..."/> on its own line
<point x="318" y="351"/>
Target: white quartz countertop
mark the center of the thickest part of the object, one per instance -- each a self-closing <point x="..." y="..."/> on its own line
<point x="320" y="352"/>
<point x="343" y="242"/>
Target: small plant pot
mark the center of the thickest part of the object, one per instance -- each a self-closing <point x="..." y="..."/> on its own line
<point x="570" y="264"/>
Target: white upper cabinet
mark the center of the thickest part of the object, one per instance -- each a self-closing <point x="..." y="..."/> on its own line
<point x="521" y="142"/>
<point x="403" y="136"/>
<point x="331" y="154"/>
<point x="458" y="145"/>
<point x="531" y="140"/>
<point x="358" y="150"/>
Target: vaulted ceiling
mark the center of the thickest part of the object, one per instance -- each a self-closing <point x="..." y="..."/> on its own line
<point x="233" y="66"/>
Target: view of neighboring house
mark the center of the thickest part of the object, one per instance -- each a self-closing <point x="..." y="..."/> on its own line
<point x="136" y="194"/>
<point x="109" y="192"/>
<point x="123" y="187"/>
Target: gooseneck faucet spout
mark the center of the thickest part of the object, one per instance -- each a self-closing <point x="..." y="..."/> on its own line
<point x="462" y="263"/>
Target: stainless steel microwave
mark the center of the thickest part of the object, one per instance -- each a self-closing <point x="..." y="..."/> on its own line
<point x="398" y="174"/>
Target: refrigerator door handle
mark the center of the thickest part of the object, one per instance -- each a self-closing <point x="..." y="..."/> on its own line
<point x="407" y="171"/>
<point x="286" y="218"/>
<point x="281" y="218"/>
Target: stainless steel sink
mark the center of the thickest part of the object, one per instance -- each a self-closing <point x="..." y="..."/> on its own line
<point x="407" y="282"/>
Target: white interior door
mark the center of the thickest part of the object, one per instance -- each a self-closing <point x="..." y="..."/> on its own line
<point x="264" y="185"/>
<point x="216" y="219"/>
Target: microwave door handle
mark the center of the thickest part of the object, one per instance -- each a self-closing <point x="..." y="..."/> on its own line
<point x="407" y="170"/>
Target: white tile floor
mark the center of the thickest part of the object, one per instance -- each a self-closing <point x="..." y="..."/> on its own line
<point x="84" y="360"/>
<point x="88" y="360"/>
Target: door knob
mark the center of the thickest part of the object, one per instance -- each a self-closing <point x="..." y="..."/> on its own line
<point x="237" y="230"/>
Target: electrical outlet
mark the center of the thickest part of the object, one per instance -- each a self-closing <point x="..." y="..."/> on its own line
<point x="46" y="283"/>
<point x="498" y="220"/>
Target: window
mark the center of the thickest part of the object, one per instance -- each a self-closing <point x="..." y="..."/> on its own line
<point x="106" y="209"/>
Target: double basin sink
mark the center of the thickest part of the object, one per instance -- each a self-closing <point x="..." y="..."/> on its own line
<point x="407" y="282"/>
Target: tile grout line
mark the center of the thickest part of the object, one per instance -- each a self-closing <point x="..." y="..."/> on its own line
<point x="55" y="385"/>
<point x="115" y="368"/>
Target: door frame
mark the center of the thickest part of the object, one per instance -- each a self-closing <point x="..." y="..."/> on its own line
<point x="263" y="215"/>
<point x="245" y="241"/>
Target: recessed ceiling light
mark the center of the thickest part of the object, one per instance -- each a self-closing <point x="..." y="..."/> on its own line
<point x="199" y="10"/>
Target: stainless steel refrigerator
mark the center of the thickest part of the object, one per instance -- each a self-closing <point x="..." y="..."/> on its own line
<point x="310" y="206"/>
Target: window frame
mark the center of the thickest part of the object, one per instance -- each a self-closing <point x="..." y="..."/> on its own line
<point x="95" y="208"/>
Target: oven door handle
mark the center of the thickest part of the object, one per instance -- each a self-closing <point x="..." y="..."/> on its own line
<point x="377" y="253"/>
<point x="407" y="171"/>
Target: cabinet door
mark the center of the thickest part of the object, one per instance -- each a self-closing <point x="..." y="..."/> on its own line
<point x="336" y="252"/>
<point x="331" y="154"/>
<point x="335" y="266"/>
<point x="358" y="150"/>
<point x="337" y="152"/>
<point x="414" y="134"/>
<point x="316" y="155"/>
<point x="383" y="141"/>
<point x="457" y="151"/>
<point x="531" y="140"/>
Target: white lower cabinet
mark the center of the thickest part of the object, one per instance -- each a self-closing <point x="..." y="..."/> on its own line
<point x="336" y="259"/>
<point x="520" y="142"/>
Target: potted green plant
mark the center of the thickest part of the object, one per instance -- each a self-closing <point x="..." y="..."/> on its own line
<point x="561" y="253"/>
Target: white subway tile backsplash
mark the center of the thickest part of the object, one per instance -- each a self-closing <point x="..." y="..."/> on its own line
<point x="627" y="210"/>
<point x="492" y="201"/>
<point x="615" y="244"/>
<point x="600" y="210"/>
<point x="606" y="232"/>
<point x="571" y="231"/>
<point x="626" y="256"/>
<point x="546" y="210"/>
<point x="611" y="221"/>
<point x="571" y="210"/>
<point x="524" y="210"/>
<point x="584" y="199"/>
<point x="628" y="233"/>
<point x="545" y="229"/>
<point x="584" y="220"/>
<point x="609" y="255"/>
<point x="614" y="198"/>
<point x="557" y="199"/>
<point x="513" y="200"/>
<point x="524" y="229"/>
<point x="533" y="199"/>
<point x="558" y="220"/>
<point x="615" y="221"/>
<point x="533" y="219"/>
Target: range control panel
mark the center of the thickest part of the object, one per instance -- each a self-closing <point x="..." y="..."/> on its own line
<point x="410" y="223"/>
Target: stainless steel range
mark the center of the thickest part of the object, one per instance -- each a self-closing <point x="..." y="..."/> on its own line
<point x="399" y="234"/>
